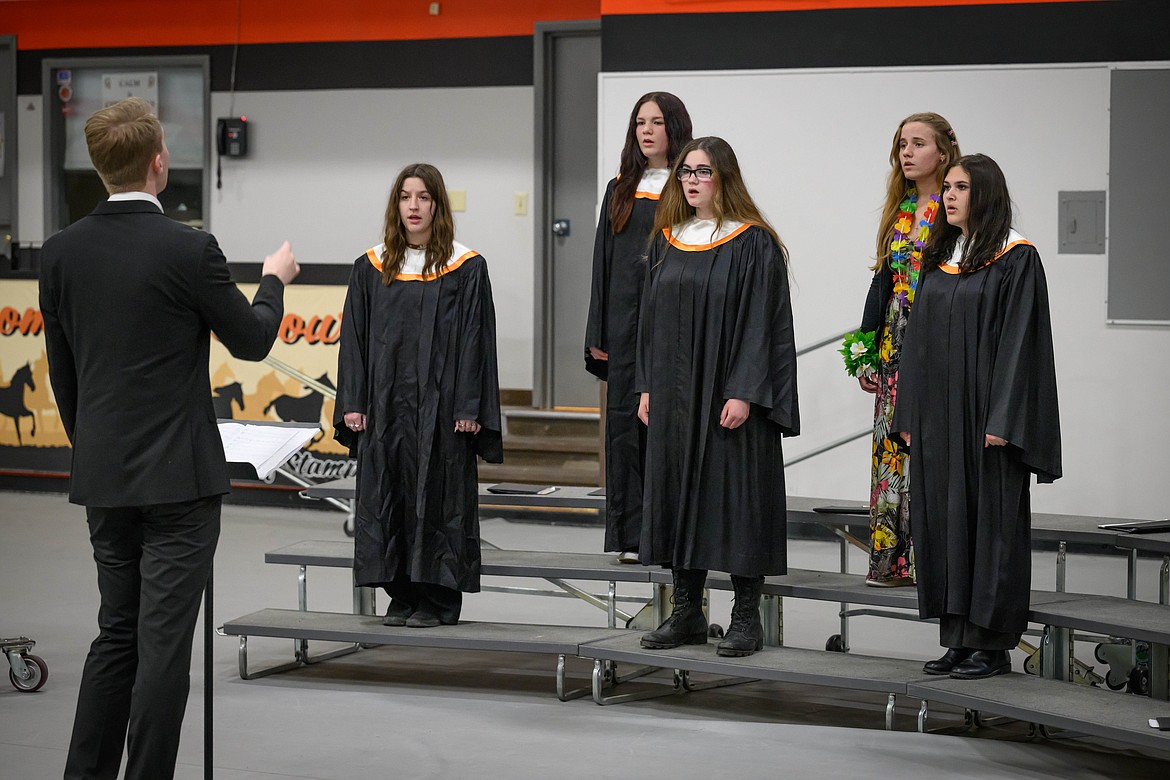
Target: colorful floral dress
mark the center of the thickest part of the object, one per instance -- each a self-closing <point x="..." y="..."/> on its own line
<point x="891" y="558"/>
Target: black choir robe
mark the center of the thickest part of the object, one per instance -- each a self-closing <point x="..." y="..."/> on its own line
<point x="978" y="359"/>
<point x="416" y="356"/>
<point x="717" y="324"/>
<point x="619" y="271"/>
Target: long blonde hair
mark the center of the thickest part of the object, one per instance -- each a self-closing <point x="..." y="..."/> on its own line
<point x="731" y="201"/>
<point x="897" y="185"/>
<point x="442" y="242"/>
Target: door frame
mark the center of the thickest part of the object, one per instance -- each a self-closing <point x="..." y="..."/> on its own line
<point x="543" y="62"/>
<point x="11" y="162"/>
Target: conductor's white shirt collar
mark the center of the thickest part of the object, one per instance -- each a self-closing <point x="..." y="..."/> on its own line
<point x="119" y="196"/>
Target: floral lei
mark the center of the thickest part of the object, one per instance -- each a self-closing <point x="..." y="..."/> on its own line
<point x="906" y="254"/>
<point x="859" y="349"/>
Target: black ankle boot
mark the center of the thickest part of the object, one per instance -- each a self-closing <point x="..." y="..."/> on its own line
<point x="951" y="658"/>
<point x="686" y="625"/>
<point x="745" y="635"/>
<point x="983" y="663"/>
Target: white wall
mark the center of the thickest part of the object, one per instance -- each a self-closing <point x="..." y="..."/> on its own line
<point x="814" y="147"/>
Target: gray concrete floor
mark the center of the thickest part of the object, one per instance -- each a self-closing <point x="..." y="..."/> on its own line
<point x="412" y="713"/>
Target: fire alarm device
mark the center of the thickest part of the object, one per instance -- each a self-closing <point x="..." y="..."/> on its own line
<point x="232" y="136"/>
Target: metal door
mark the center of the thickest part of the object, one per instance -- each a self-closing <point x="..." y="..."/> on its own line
<point x="568" y="60"/>
<point x="7" y="144"/>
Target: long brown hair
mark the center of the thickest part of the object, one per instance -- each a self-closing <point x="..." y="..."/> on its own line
<point x="897" y="185"/>
<point x="633" y="163"/>
<point x="989" y="217"/>
<point x="732" y="200"/>
<point x="442" y="242"/>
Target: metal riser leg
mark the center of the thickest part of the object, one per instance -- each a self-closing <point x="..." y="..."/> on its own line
<point x="772" y="618"/>
<point x="562" y="685"/>
<point x="1055" y="654"/>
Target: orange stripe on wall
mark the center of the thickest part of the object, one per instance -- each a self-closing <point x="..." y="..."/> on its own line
<point x="621" y="7"/>
<point x="82" y="24"/>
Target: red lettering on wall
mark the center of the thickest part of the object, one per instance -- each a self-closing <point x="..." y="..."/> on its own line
<point x="291" y="329"/>
<point x="29" y="324"/>
<point x="317" y="330"/>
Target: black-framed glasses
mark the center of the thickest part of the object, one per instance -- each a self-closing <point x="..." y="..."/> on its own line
<point x="702" y="173"/>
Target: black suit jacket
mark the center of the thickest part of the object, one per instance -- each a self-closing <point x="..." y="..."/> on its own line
<point x="129" y="298"/>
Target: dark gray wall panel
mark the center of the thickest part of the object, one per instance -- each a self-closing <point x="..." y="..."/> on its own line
<point x="1139" y="208"/>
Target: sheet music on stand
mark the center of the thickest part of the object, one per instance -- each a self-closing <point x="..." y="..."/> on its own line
<point x="265" y="446"/>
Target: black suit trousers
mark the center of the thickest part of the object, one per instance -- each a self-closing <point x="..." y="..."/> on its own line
<point x="152" y="564"/>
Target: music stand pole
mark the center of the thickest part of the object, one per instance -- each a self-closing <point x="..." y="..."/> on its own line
<point x="208" y="717"/>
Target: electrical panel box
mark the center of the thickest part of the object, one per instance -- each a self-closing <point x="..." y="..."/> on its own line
<point x="1081" y="217"/>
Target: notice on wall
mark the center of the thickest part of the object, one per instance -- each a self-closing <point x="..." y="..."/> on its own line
<point x="119" y="86"/>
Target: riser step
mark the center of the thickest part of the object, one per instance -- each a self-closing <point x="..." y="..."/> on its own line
<point x="540" y="474"/>
<point x="586" y="445"/>
<point x="534" y="427"/>
<point x="555" y="460"/>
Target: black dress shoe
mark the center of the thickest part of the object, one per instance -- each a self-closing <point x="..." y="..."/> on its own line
<point x="397" y="613"/>
<point x="422" y="619"/>
<point x="950" y="659"/>
<point x="983" y="663"/>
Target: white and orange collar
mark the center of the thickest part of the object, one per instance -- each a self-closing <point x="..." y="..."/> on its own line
<point x="412" y="266"/>
<point x="697" y="235"/>
<point x="652" y="183"/>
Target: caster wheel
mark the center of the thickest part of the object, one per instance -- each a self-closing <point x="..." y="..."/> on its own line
<point x="1139" y="681"/>
<point x="715" y="631"/>
<point x="347" y="528"/>
<point x="835" y="644"/>
<point x="1120" y="661"/>
<point x="38" y="673"/>
<point x="1113" y="683"/>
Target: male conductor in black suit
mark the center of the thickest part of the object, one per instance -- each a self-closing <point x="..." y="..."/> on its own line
<point x="129" y="298"/>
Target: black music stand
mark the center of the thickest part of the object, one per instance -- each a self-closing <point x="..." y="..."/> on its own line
<point x="237" y="470"/>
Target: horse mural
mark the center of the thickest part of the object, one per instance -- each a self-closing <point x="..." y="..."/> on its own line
<point x="12" y="399"/>
<point x="223" y="398"/>
<point x="305" y="408"/>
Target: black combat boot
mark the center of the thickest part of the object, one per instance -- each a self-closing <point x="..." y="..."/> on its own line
<point x="686" y="625"/>
<point x="745" y="635"/>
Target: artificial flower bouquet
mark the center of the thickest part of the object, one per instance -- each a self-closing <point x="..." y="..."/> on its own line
<point x="859" y="349"/>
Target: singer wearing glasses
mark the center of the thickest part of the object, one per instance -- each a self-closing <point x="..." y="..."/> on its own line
<point x="716" y="371"/>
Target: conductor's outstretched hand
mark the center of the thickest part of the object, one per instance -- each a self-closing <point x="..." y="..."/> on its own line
<point x="282" y="264"/>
